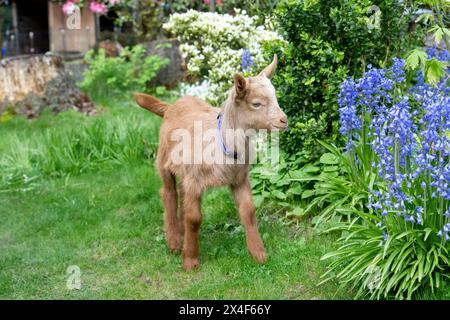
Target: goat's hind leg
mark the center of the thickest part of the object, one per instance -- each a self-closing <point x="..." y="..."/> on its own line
<point x="169" y="197"/>
<point x="181" y="207"/>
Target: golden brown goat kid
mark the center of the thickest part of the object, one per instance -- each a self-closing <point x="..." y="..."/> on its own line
<point x="251" y="105"/>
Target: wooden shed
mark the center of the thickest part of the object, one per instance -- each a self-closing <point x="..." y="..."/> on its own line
<point x="38" y="26"/>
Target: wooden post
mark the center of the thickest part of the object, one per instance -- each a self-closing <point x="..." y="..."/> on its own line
<point x="15" y="20"/>
<point x="212" y="5"/>
<point x="2" y="21"/>
<point x="97" y="30"/>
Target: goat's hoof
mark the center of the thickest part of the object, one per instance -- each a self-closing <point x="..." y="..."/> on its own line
<point x="259" y="256"/>
<point x="191" y="263"/>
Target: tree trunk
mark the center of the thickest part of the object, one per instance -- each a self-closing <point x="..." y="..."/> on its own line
<point x="31" y="83"/>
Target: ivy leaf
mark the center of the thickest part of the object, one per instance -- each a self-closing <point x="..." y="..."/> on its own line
<point x="415" y="58"/>
<point x="329" y="174"/>
<point x="258" y="200"/>
<point x="434" y="70"/>
<point x="308" y="193"/>
<point x="310" y="168"/>
<point x="283" y="182"/>
<point x="297" y="212"/>
<point x="297" y="174"/>
<point x="274" y="179"/>
<point x="279" y="195"/>
<point x="328" y="158"/>
<point x="295" y="190"/>
<point x="330" y="168"/>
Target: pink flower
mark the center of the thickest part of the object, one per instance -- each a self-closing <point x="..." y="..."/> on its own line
<point x="218" y="2"/>
<point x="97" y="7"/>
<point x="69" y="7"/>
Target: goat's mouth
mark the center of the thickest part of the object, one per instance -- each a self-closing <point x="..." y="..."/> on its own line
<point x="279" y="128"/>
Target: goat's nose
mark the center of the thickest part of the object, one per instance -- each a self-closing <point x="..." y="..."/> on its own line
<point x="283" y="120"/>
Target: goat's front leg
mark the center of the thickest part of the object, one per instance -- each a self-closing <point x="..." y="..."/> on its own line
<point x="192" y="219"/>
<point x="243" y="198"/>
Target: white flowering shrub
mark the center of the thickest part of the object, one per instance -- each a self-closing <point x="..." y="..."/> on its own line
<point x="216" y="46"/>
<point x="199" y="89"/>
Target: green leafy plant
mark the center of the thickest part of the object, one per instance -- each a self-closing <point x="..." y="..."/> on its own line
<point x="326" y="42"/>
<point x="330" y="189"/>
<point x="120" y="76"/>
<point x="435" y="26"/>
<point x="342" y="186"/>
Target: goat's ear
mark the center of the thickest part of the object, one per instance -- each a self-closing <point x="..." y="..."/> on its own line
<point x="270" y="69"/>
<point x="240" y="85"/>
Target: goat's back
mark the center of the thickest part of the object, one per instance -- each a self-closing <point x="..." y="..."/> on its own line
<point x="190" y="116"/>
<point x="187" y="110"/>
<point x="186" y="113"/>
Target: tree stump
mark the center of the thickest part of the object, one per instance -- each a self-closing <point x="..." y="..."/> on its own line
<point x="32" y="83"/>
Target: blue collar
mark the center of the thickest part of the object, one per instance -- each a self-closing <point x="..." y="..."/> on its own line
<point x="225" y="150"/>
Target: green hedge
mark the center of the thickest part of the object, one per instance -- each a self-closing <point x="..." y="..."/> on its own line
<point x="328" y="40"/>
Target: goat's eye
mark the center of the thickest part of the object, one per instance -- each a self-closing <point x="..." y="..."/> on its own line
<point x="256" y="105"/>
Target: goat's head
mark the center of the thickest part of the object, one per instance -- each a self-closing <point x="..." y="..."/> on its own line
<point x="256" y="101"/>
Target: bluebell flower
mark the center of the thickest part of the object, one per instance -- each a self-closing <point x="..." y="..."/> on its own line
<point x="446" y="227"/>
<point x="419" y="219"/>
<point x="444" y="232"/>
<point x="409" y="133"/>
<point x="246" y="60"/>
<point x="397" y="70"/>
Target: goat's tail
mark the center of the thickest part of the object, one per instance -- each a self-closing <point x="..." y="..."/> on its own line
<point x="151" y="103"/>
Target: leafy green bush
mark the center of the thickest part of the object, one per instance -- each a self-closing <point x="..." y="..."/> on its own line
<point x="328" y="189"/>
<point x="288" y="185"/>
<point x="120" y="76"/>
<point x="327" y="40"/>
<point x="342" y="186"/>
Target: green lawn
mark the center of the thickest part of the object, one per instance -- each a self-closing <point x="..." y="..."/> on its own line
<point x="96" y="205"/>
